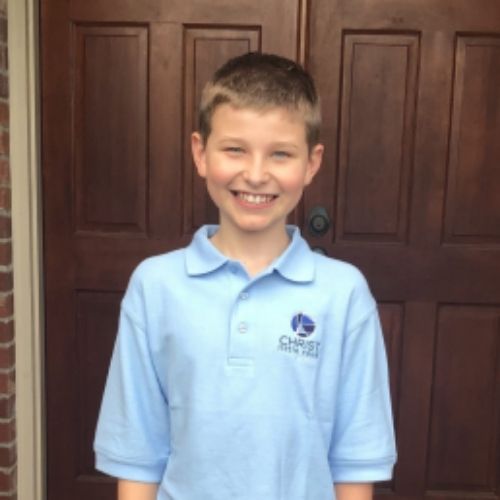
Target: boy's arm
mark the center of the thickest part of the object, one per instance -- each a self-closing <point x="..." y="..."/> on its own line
<point x="353" y="491"/>
<point x="132" y="490"/>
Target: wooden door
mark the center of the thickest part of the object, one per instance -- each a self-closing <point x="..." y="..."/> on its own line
<point x="411" y="182"/>
<point x="410" y="92"/>
<point x="120" y="85"/>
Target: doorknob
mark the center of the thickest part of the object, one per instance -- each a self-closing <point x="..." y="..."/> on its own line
<point x="318" y="221"/>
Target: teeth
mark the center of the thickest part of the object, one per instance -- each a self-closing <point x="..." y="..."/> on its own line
<point x="255" y="198"/>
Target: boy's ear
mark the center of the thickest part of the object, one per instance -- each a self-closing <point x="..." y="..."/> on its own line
<point x="315" y="157"/>
<point x="198" y="151"/>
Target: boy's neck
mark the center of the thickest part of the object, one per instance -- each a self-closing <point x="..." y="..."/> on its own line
<point x="255" y="250"/>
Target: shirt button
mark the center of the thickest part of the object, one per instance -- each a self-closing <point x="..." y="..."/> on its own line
<point x="242" y="327"/>
<point x="244" y="295"/>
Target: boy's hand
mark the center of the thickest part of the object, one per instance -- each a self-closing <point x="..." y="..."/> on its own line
<point x="354" y="491"/>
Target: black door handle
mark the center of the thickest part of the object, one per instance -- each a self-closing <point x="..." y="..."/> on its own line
<point x="318" y="221"/>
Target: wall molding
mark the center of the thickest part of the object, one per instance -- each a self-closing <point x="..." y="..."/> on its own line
<point x="27" y="244"/>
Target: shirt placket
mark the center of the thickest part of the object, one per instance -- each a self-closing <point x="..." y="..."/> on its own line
<point x="241" y="335"/>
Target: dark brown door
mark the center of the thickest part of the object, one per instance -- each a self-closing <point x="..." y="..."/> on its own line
<point x="120" y="86"/>
<point x="411" y="106"/>
<point x="411" y="181"/>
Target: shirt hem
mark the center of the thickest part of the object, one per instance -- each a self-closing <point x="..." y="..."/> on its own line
<point x="362" y="473"/>
<point x="147" y="473"/>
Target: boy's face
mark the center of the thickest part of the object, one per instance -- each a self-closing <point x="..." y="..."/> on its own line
<point x="256" y="165"/>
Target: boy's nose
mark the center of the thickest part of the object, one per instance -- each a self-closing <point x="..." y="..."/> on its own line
<point x="256" y="172"/>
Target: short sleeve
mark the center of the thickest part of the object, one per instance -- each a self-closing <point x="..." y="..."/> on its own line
<point x="132" y="436"/>
<point x="362" y="447"/>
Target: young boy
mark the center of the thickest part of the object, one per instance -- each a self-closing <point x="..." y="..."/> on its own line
<point x="248" y="367"/>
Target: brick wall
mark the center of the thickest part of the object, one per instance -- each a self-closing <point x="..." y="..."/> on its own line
<point x="7" y="359"/>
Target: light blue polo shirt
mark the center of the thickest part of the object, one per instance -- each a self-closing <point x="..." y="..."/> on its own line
<point x="225" y="387"/>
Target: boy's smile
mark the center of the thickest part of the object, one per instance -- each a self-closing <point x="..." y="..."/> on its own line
<point x="256" y="164"/>
<point x="254" y="199"/>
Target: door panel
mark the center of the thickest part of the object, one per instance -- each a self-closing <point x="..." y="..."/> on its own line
<point x="471" y="213"/>
<point x="110" y="129"/>
<point x="462" y="429"/>
<point x="411" y="102"/>
<point x="375" y="155"/>
<point x="206" y="48"/>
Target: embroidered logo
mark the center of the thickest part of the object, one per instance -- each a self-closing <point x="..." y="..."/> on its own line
<point x="303" y="326"/>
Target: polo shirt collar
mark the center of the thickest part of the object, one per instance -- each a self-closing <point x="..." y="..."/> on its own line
<point x="296" y="263"/>
<point x="201" y="256"/>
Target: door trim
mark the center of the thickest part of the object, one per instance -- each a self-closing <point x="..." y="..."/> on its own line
<point x="27" y="244"/>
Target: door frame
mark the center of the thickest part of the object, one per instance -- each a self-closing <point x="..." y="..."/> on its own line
<point x="25" y="167"/>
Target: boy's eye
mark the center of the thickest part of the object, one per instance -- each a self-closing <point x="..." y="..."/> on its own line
<point x="281" y="155"/>
<point x="235" y="150"/>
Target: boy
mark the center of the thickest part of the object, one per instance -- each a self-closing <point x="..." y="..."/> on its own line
<point x="246" y="366"/>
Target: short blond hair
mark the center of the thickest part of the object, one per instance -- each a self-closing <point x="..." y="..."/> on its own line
<point x="262" y="81"/>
